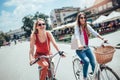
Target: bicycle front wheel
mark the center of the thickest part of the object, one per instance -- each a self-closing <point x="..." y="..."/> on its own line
<point x="78" y="69"/>
<point x="107" y="73"/>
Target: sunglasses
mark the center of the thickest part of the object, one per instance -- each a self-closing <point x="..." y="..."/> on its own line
<point x="82" y="17"/>
<point x="41" y="24"/>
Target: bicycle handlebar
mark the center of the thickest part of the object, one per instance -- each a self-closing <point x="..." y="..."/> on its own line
<point x="61" y="53"/>
<point x="102" y="44"/>
<point x="36" y="60"/>
<point x="95" y="47"/>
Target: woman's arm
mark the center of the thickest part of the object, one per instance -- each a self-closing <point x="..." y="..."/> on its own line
<point x="95" y="33"/>
<point x="99" y="36"/>
<point x="31" y="52"/>
<point x="92" y="30"/>
<point x="52" y="39"/>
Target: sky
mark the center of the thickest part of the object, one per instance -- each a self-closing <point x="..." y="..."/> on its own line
<point x="12" y="11"/>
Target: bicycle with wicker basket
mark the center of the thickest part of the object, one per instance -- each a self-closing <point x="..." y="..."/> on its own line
<point x="104" y="54"/>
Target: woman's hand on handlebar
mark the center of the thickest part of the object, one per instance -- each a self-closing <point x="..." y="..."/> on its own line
<point x="105" y="41"/>
<point x="61" y="53"/>
<point x="32" y="61"/>
<point x="81" y="47"/>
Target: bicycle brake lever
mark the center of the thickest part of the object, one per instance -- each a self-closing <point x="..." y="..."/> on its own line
<point x="34" y="61"/>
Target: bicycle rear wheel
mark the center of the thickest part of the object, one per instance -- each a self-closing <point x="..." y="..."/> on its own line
<point x="78" y="69"/>
<point x="107" y="73"/>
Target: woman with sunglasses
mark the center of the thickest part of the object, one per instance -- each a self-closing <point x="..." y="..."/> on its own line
<point x="41" y="38"/>
<point x="82" y="33"/>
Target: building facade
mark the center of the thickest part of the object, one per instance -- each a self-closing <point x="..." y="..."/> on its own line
<point x="58" y="16"/>
<point x="102" y="7"/>
<point x="16" y="32"/>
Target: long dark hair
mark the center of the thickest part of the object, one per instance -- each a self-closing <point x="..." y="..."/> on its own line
<point x="79" y="23"/>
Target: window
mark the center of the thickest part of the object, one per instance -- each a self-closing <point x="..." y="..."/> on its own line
<point x="104" y="6"/>
<point x="100" y="8"/>
<point x="109" y="5"/>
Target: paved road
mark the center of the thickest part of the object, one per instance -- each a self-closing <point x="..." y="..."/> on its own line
<point x="14" y="61"/>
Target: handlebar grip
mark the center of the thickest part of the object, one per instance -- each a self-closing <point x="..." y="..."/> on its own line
<point x="34" y="61"/>
<point x="61" y="53"/>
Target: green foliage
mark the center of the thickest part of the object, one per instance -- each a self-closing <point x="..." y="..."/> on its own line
<point x="7" y="37"/>
<point x="28" y="22"/>
<point x="1" y="39"/>
<point x="4" y="37"/>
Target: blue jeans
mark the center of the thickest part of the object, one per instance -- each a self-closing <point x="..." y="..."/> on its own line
<point x="87" y="57"/>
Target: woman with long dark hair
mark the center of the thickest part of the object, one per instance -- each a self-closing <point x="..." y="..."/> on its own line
<point x="82" y="33"/>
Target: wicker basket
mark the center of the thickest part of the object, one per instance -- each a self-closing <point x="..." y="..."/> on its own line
<point x="104" y="54"/>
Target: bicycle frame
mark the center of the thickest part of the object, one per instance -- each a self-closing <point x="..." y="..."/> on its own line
<point x="50" y="69"/>
<point x="51" y="65"/>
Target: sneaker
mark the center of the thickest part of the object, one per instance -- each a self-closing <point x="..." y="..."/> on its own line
<point x="54" y="79"/>
<point x="91" y="74"/>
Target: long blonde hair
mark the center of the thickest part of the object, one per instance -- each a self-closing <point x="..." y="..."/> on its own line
<point x="35" y="31"/>
<point x="79" y="24"/>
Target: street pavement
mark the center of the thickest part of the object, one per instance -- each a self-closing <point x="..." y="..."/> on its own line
<point x="14" y="60"/>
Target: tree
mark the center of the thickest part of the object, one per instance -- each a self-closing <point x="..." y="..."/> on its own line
<point x="4" y="37"/>
<point x="1" y="39"/>
<point x="7" y="37"/>
<point x="28" y="22"/>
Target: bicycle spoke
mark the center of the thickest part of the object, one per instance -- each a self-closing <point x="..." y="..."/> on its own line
<point x="108" y="74"/>
<point x="78" y="68"/>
